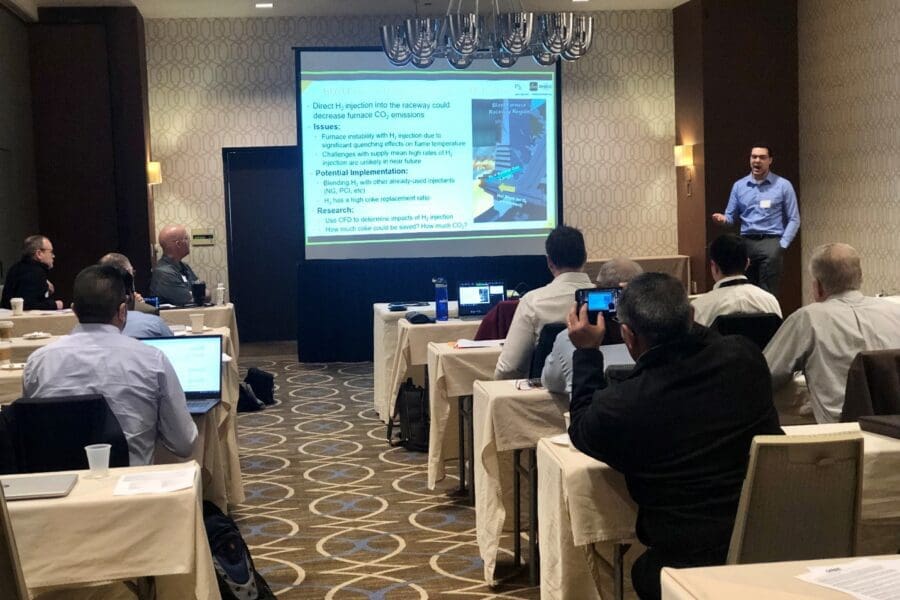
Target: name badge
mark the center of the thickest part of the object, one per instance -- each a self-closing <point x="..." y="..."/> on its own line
<point x="765" y="204"/>
<point x="184" y="279"/>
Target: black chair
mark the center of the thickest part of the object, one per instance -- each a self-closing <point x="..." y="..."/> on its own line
<point x="873" y="385"/>
<point x="543" y="348"/>
<point x="757" y="327"/>
<point x="49" y="434"/>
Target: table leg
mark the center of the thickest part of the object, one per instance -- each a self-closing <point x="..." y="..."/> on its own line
<point x="619" y="551"/>
<point x="517" y="510"/>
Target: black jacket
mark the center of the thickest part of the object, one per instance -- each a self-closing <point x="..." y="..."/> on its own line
<point x="679" y="428"/>
<point x="27" y="279"/>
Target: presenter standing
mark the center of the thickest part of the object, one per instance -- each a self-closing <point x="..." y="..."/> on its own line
<point x="767" y="207"/>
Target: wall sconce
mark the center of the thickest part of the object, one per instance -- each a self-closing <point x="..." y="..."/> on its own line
<point x="154" y="174"/>
<point x="684" y="157"/>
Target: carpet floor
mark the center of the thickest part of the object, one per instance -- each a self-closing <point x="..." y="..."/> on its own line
<point x="332" y="511"/>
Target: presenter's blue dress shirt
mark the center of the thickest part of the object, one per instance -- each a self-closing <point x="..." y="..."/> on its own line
<point x="765" y="208"/>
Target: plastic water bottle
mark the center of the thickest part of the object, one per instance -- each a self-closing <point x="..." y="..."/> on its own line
<point x="220" y="294"/>
<point x="441" y="308"/>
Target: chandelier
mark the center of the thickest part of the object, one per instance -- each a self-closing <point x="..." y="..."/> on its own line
<point x="504" y="37"/>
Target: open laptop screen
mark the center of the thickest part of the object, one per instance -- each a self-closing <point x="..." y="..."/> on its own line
<point x="197" y="360"/>
<point x="477" y="298"/>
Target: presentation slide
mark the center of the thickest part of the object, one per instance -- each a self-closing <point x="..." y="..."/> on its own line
<point x="406" y="162"/>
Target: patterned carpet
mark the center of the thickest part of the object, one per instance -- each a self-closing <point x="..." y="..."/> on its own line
<point x="332" y="511"/>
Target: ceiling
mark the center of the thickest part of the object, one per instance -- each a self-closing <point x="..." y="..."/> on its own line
<point x="179" y="9"/>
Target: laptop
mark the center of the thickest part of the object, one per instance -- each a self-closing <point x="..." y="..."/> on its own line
<point x="198" y="363"/>
<point x="476" y="298"/>
<point x="55" y="485"/>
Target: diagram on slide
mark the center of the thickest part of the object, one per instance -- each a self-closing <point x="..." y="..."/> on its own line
<point x="509" y="160"/>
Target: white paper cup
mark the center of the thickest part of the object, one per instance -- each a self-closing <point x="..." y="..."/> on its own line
<point x="18" y="305"/>
<point x="98" y="460"/>
<point x="196" y="322"/>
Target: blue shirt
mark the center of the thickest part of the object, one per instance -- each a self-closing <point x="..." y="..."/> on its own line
<point x="143" y="325"/>
<point x="767" y="208"/>
<point x="137" y="380"/>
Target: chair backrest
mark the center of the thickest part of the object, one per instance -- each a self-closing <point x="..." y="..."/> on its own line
<point x="12" y="582"/>
<point x="800" y="500"/>
<point x="495" y="324"/>
<point x="759" y="328"/>
<point x="50" y="433"/>
<point x="873" y="385"/>
<point x="544" y="346"/>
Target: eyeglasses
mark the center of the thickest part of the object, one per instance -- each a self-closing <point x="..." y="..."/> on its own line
<point x="50" y="250"/>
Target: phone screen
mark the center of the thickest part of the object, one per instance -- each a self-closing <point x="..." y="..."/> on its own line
<point x="602" y="300"/>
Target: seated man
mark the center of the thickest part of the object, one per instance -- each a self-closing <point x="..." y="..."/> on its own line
<point x="549" y="304"/>
<point x="140" y="324"/>
<point x="678" y="427"/>
<point x="733" y="292"/>
<point x="27" y="279"/>
<point x="137" y="380"/>
<point x="172" y="278"/>
<point x="822" y="339"/>
<point x="557" y="373"/>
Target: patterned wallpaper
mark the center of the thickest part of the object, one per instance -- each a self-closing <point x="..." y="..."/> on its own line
<point x="218" y="83"/>
<point x="849" y="133"/>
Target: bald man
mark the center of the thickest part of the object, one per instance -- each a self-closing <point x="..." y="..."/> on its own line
<point x="172" y="278"/>
<point x="821" y="339"/>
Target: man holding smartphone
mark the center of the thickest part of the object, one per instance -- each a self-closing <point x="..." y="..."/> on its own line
<point x="770" y="218"/>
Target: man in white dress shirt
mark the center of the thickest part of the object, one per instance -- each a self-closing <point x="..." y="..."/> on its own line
<point x="549" y="304"/>
<point x="821" y="339"/>
<point x="137" y="380"/>
<point x="733" y="292"/>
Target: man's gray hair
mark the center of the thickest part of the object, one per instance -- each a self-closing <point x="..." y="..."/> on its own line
<point x="655" y="306"/>
<point x="32" y="244"/>
<point x="114" y="259"/>
<point x="836" y="267"/>
<point x="616" y="271"/>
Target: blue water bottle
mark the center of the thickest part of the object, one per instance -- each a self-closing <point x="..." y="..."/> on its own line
<point x="441" y="309"/>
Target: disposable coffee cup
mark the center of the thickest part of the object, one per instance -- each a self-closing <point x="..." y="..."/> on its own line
<point x="18" y="305"/>
<point x="6" y="329"/>
<point x="196" y="322"/>
<point x="98" y="460"/>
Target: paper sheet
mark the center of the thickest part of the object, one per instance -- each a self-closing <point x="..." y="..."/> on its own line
<point x="864" y="579"/>
<point x="464" y="343"/>
<point x="154" y="482"/>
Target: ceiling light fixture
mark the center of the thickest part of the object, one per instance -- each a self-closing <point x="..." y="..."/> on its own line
<point x="504" y="37"/>
<point x="264" y="5"/>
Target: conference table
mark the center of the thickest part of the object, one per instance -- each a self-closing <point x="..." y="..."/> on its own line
<point x="216" y="448"/>
<point x="384" y="349"/>
<point x="94" y="536"/>
<point x="61" y="322"/>
<point x="772" y="581"/>
<point x="452" y="372"/>
<point x="412" y="350"/>
<point x="582" y="502"/>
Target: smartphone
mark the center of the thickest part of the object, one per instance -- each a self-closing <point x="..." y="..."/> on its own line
<point x="598" y="300"/>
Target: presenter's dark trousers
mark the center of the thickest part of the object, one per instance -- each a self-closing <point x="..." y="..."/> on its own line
<point x="766" y="260"/>
<point x="645" y="571"/>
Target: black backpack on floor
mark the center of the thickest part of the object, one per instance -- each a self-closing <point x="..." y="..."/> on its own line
<point x="411" y="413"/>
<point x="263" y="384"/>
<point x="235" y="573"/>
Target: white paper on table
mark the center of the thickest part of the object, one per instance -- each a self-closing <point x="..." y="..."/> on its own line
<point x="225" y="358"/>
<point x="464" y="343"/>
<point x="154" y="482"/>
<point x="865" y="579"/>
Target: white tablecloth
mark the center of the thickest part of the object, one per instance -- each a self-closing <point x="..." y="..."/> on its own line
<point x="384" y="348"/>
<point x="505" y="419"/>
<point x="412" y="350"/>
<point x="451" y="373"/>
<point x="91" y="535"/>
<point x="582" y="501"/>
<point x="771" y="581"/>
